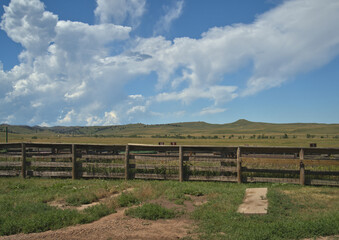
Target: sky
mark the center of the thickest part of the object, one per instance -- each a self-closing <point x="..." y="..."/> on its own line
<point x="110" y="62"/>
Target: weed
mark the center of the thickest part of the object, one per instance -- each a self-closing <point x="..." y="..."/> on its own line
<point x="127" y="199"/>
<point x="151" y="211"/>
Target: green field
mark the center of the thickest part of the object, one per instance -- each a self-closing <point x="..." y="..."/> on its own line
<point x="295" y="212"/>
<point x="238" y="133"/>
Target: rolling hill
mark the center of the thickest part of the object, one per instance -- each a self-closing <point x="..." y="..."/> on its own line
<point x="241" y="126"/>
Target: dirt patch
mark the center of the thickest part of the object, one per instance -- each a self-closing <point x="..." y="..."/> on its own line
<point x="63" y="205"/>
<point x="119" y="226"/>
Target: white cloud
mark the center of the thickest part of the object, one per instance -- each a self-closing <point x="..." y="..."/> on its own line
<point x="67" y="74"/>
<point x="120" y="11"/>
<point x="27" y="23"/>
<point x="165" y="22"/>
<point x="211" y="110"/>
<point x="68" y="118"/>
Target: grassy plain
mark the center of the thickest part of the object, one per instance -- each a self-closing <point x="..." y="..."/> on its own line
<point x="295" y="212"/>
<point x="298" y="141"/>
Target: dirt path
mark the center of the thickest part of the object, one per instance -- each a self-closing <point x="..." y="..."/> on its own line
<point x="116" y="226"/>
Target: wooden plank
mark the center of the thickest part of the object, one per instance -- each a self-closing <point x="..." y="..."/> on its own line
<point x="23" y="160"/>
<point x="103" y="165"/>
<point x="273" y="180"/>
<point x="127" y="162"/>
<point x="263" y="170"/>
<point x="155" y="176"/>
<point x="330" y="173"/>
<point x="10" y="156"/>
<point x="5" y="173"/>
<point x="74" y="159"/>
<point x="270" y="160"/>
<point x="10" y="164"/>
<point x="51" y="164"/>
<point x="103" y="175"/>
<point x="47" y="156"/>
<point x="152" y="167"/>
<point x="213" y="178"/>
<point x="321" y="162"/>
<point x="181" y="164"/>
<point x="212" y="159"/>
<point x="214" y="169"/>
<point x="92" y="156"/>
<point x="155" y="158"/>
<point x="302" y="168"/>
<point x="51" y="174"/>
<point x="324" y="182"/>
<point x="239" y="160"/>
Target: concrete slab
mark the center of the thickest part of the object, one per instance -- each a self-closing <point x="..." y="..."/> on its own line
<point x="255" y="201"/>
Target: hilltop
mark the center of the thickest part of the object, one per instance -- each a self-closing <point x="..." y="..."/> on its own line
<point x="241" y="126"/>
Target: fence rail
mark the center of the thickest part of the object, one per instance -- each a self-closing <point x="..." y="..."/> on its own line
<point x="310" y="166"/>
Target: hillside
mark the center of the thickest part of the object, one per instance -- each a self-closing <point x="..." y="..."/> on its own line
<point x="185" y="128"/>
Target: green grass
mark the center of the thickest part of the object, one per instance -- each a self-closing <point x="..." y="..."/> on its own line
<point x="295" y="212"/>
<point x="127" y="199"/>
<point x="151" y="211"/>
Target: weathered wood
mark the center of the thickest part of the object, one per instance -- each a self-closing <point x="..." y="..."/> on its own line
<point x="270" y="160"/>
<point x="127" y="162"/>
<point x="51" y="164"/>
<point x="51" y="174"/>
<point x="156" y="158"/>
<point x="23" y="160"/>
<point x="181" y="164"/>
<point x="156" y="176"/>
<point x="211" y="159"/>
<point x="11" y="156"/>
<point x="7" y="173"/>
<point x="153" y="167"/>
<point x="74" y="160"/>
<point x="273" y="180"/>
<point x="213" y="178"/>
<point x="324" y="182"/>
<point x="239" y="177"/>
<point x="6" y="130"/>
<point x="112" y="157"/>
<point x="264" y="170"/>
<point x="214" y="169"/>
<point x="10" y="164"/>
<point x="103" y="165"/>
<point x="302" y="167"/>
<point x="50" y="156"/>
<point x="103" y="175"/>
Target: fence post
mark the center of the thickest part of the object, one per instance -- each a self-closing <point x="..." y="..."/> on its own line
<point x="302" y="167"/>
<point x="239" y="177"/>
<point x="23" y="160"/>
<point x="74" y="160"/>
<point x="6" y="134"/>
<point x="181" y="164"/>
<point x="127" y="162"/>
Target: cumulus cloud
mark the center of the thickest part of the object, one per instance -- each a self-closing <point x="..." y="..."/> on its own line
<point x="211" y="110"/>
<point x="120" y="11"/>
<point x="165" y="22"/>
<point x="67" y="74"/>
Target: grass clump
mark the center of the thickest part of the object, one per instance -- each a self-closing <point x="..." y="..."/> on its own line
<point x="151" y="211"/>
<point x="127" y="200"/>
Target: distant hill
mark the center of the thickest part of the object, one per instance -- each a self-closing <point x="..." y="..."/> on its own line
<point x="241" y="126"/>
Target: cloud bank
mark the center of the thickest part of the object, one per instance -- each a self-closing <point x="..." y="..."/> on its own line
<point x="68" y="75"/>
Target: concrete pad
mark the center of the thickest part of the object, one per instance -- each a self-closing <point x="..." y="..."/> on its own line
<point x="255" y="201"/>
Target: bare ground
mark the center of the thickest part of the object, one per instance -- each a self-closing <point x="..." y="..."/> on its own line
<point x="119" y="226"/>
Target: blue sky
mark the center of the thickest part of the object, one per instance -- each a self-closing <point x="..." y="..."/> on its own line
<point x="107" y="62"/>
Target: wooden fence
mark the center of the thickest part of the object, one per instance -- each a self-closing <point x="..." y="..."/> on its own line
<point x="311" y="166"/>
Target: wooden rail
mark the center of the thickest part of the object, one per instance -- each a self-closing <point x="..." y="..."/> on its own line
<point x="305" y="166"/>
